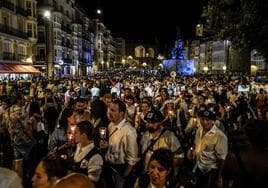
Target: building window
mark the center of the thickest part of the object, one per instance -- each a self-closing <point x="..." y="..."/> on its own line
<point x="41" y="54"/>
<point x="34" y="30"/>
<point x="21" y="50"/>
<point x="29" y="30"/>
<point x="5" y="21"/>
<point x="29" y="7"/>
<point x="34" y="10"/>
<point x="20" y="25"/>
<point x="8" y="47"/>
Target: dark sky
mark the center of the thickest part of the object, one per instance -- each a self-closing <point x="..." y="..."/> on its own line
<point x="147" y="20"/>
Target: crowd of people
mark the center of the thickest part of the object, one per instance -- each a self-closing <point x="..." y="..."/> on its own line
<point x="142" y="131"/>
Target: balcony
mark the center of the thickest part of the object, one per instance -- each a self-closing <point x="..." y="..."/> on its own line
<point x="12" y="31"/>
<point x="66" y="29"/>
<point x="68" y="61"/>
<point x="9" y="56"/>
<point x="22" y="56"/>
<point x="86" y="49"/>
<point x="40" y="58"/>
<point x="7" y="4"/>
<point x="40" y="20"/>
<point x="41" y="40"/>
<point x="21" y="11"/>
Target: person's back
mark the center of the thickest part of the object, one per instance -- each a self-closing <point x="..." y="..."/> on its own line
<point x="75" y="180"/>
<point x="9" y="179"/>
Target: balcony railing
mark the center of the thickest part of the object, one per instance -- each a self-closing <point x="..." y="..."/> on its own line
<point x="16" y="32"/>
<point x="21" y="56"/>
<point x="41" y="40"/>
<point x="9" y="56"/>
<point x="7" y="4"/>
<point x="68" y="61"/>
<point x="40" y="20"/>
<point x="21" y="11"/>
<point x="66" y="29"/>
<point x="40" y="58"/>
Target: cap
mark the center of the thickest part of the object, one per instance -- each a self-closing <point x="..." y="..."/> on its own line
<point x="169" y="101"/>
<point x="206" y="114"/>
<point x="154" y="116"/>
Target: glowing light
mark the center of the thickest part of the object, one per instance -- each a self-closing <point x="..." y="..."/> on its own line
<point x="29" y="60"/>
<point x="61" y="62"/>
<point x="205" y="69"/>
<point x="224" y="68"/>
<point x="99" y="11"/>
<point x="47" y="14"/>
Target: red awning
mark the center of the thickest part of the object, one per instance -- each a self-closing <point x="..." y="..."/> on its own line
<point x="17" y="69"/>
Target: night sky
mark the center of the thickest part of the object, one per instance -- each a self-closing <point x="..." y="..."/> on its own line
<point x="147" y="20"/>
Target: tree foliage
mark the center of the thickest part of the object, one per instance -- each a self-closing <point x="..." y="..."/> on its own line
<point x="244" y="22"/>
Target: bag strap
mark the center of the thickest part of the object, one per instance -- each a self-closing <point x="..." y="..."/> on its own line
<point x="152" y="143"/>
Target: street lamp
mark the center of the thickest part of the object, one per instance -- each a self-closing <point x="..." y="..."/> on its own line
<point x="49" y="51"/>
<point x="123" y="62"/>
<point x="206" y="69"/>
<point x="224" y="68"/>
<point x="99" y="11"/>
<point x="102" y="62"/>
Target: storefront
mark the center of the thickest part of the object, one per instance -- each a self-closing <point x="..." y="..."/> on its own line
<point x="10" y="70"/>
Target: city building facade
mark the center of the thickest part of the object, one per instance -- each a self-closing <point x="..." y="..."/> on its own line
<point x="70" y="43"/>
<point x="18" y="36"/>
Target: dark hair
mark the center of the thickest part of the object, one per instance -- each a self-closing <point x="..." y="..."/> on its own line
<point x="71" y="102"/>
<point x="34" y="108"/>
<point x="66" y="113"/>
<point x="55" y="167"/>
<point x="130" y="97"/>
<point x="121" y="105"/>
<point x="87" y="128"/>
<point x="79" y="99"/>
<point x="98" y="109"/>
<point x="164" y="157"/>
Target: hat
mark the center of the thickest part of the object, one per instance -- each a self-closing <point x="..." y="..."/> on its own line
<point x="169" y="101"/>
<point x="154" y="116"/>
<point x="206" y="114"/>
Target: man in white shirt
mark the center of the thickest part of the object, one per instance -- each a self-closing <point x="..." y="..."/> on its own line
<point x="122" y="153"/>
<point x="161" y="138"/>
<point x="210" y="150"/>
<point x="95" y="92"/>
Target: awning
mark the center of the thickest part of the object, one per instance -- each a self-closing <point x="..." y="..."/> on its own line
<point x="17" y="69"/>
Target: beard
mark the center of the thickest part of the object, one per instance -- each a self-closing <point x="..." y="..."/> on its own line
<point x="80" y="111"/>
<point x="152" y="129"/>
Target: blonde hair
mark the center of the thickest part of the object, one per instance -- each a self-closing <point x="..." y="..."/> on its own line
<point x="74" y="180"/>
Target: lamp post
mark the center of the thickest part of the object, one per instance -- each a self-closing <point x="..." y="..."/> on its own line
<point x="49" y="51"/>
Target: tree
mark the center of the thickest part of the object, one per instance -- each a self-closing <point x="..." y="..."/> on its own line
<point x="243" y="22"/>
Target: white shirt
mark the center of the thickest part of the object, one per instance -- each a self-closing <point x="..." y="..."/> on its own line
<point x="95" y="92"/>
<point x="123" y="146"/>
<point x="167" y="140"/>
<point x="95" y="163"/>
<point x="209" y="148"/>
